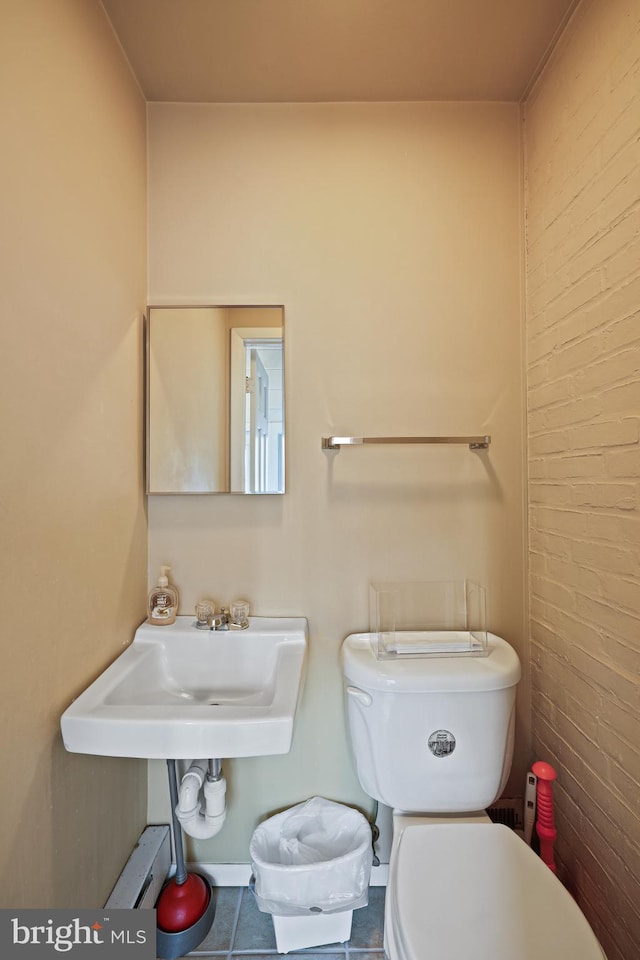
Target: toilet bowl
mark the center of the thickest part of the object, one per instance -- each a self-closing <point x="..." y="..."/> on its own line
<point x="433" y="739"/>
<point x="462" y="890"/>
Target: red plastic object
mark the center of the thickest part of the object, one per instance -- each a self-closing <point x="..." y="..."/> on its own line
<point x="180" y="905"/>
<point x="545" y="824"/>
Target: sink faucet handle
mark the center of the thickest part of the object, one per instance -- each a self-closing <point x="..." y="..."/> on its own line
<point x="205" y="610"/>
<point x="240" y="614"/>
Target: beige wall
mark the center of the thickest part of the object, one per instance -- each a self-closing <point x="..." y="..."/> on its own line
<point x="392" y="235"/>
<point x="72" y="567"/>
<point x="583" y="172"/>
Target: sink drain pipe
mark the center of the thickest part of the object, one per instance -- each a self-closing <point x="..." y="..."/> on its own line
<point x="202" y="779"/>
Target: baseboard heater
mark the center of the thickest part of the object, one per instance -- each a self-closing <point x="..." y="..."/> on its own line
<point x="139" y="884"/>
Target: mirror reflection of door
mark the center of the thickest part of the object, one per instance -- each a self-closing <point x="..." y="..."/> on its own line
<point x="257" y="393"/>
<point x="257" y="410"/>
<point x="264" y="442"/>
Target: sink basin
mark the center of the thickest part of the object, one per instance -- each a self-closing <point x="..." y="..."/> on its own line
<point x="182" y="693"/>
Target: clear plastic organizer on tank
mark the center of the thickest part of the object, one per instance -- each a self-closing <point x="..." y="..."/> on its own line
<point x="428" y="619"/>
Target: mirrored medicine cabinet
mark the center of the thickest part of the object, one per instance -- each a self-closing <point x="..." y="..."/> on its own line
<point x="215" y="400"/>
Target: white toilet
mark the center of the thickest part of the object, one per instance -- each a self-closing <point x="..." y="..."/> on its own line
<point x="433" y="739"/>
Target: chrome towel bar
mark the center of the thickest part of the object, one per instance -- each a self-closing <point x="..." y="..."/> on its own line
<point x="334" y="443"/>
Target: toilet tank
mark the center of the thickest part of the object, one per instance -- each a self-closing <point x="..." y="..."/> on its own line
<point x="431" y="735"/>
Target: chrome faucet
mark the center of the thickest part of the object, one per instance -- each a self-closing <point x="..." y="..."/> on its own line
<point x="207" y="619"/>
<point x="220" y="621"/>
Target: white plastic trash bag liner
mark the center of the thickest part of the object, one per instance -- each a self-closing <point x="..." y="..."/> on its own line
<point x="313" y="858"/>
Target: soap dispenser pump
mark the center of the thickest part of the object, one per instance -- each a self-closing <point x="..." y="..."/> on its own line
<point x="163" y="600"/>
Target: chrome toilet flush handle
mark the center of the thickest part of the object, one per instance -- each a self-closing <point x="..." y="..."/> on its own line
<point x="360" y="695"/>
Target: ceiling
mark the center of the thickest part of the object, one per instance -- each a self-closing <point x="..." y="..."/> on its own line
<point x="336" y="50"/>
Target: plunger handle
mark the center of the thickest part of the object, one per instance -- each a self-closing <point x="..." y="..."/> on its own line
<point x="545" y="824"/>
<point x="181" y="871"/>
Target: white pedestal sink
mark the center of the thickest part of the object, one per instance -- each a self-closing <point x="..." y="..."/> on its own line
<point x="180" y="693"/>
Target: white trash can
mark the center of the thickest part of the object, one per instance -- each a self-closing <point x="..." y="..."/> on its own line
<point x="311" y="869"/>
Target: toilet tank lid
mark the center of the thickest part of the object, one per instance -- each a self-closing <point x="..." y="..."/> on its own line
<point x="498" y="670"/>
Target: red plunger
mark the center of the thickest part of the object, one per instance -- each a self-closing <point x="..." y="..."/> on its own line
<point x="184" y="899"/>
<point x="545" y="824"/>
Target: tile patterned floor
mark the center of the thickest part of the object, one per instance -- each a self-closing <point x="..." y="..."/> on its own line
<point x="240" y="930"/>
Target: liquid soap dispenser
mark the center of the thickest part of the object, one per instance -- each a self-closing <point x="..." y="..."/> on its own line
<point x="163" y="600"/>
